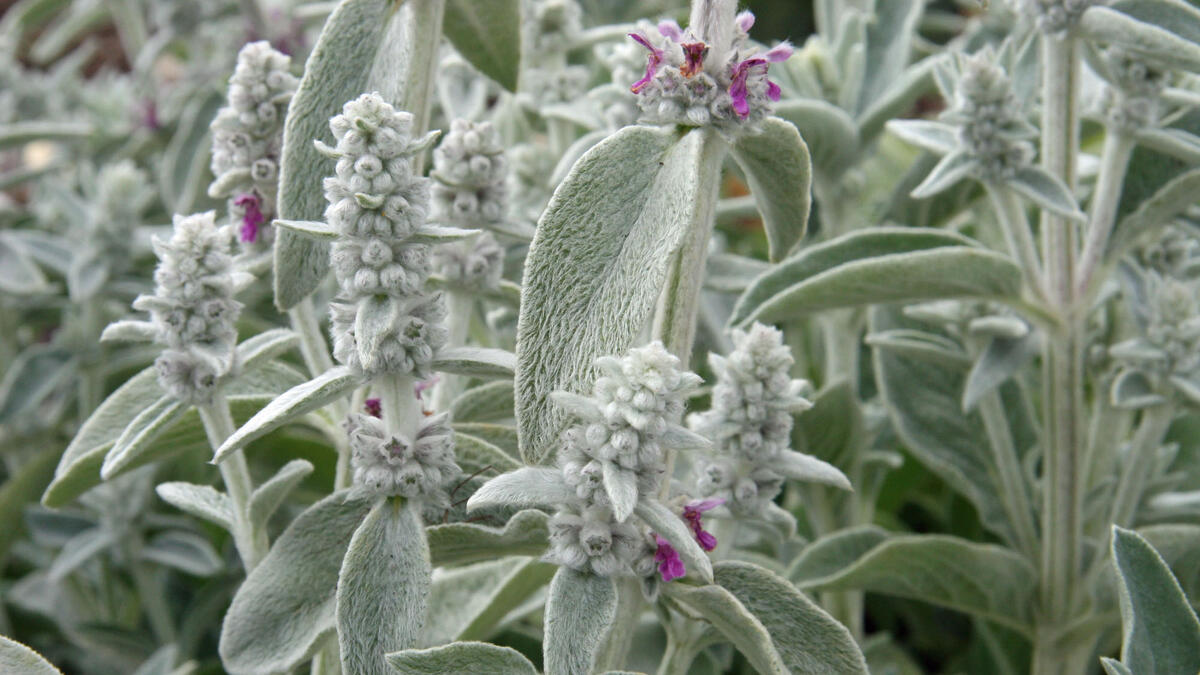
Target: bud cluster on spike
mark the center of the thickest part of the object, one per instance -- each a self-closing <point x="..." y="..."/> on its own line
<point x="991" y="125"/>
<point x="750" y="421"/>
<point x="122" y="193"/>
<point x="388" y="465"/>
<point x="628" y="423"/>
<point x="1132" y="99"/>
<point x="689" y="84"/>
<point x="377" y="203"/>
<point x="192" y="308"/>
<point x="1056" y="16"/>
<point x="248" y="139"/>
<point x="551" y="26"/>
<point x="1169" y="319"/>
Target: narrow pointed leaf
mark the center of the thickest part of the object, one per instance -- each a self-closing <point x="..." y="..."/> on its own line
<point x="312" y="229"/>
<point x="488" y="364"/>
<point x="464" y="543"/>
<point x="935" y="137"/>
<point x="948" y="172"/>
<point x="141" y="432"/>
<point x="202" y="501"/>
<point x="488" y="35"/>
<point x="737" y="624"/>
<point x="1047" y="191"/>
<point x="621" y="487"/>
<point x="527" y="487"/>
<point x="799" y="466"/>
<point x="268" y="496"/>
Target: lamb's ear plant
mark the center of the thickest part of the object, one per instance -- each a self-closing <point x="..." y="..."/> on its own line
<point x="562" y="404"/>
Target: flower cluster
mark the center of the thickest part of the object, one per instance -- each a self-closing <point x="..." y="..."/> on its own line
<point x="1056" y="16"/>
<point x="470" y="171"/>
<point x="688" y="83"/>
<point x="628" y="424"/>
<point x="552" y="26"/>
<point x="750" y="422"/>
<point x="1132" y="99"/>
<point x="1166" y="354"/>
<point x="122" y="193"/>
<point x="1175" y="253"/>
<point x="992" y="128"/>
<point x="248" y="139"/>
<point x="192" y="309"/>
<point x="387" y="465"/>
<point x="377" y="204"/>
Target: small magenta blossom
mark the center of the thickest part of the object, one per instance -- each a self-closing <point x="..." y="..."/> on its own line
<point x="424" y="385"/>
<point x="252" y="216"/>
<point x="691" y="82"/>
<point x="669" y="564"/>
<point x="374" y="407"/>
<point x="692" y="512"/>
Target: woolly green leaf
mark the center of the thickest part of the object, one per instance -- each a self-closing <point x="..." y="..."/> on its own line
<point x="1047" y="191"/>
<point x="807" y="639"/>
<point x="889" y="47"/>
<point x="930" y="421"/>
<point x="488" y="35"/>
<point x="476" y="454"/>
<point x="337" y="70"/>
<point x="1001" y="358"/>
<point x="799" y="466"/>
<point x="728" y="615"/>
<point x="202" y="501"/>
<point x="473" y="600"/>
<point x="297" y="401"/>
<point x="830" y="133"/>
<point x="945" y="175"/>
<point x="478" y="658"/>
<point x="1157" y="211"/>
<point x="928" y="135"/>
<point x="914" y="276"/>
<point x="488" y="402"/>
<point x="312" y="229"/>
<point x="79" y="468"/>
<point x="1113" y="667"/>
<point x="527" y="487"/>
<point x="19" y="275"/>
<point x="672" y="528"/>
<point x="580" y="609"/>
<point x="267" y="497"/>
<point x="597" y="264"/>
<point x="383" y="587"/>
<point x="185" y="551"/>
<point x="20" y="133"/>
<point x="918" y="344"/>
<point x="813" y="261"/>
<point x="285" y="608"/>
<point x="983" y="580"/>
<point x="139" y="436"/>
<point x="21" y="488"/>
<point x="464" y="543"/>
<point x="265" y="346"/>
<point x="1161" y="632"/>
<point x="621" y="487"/>
<point x="778" y="168"/>
<point x="834" y="552"/>
<point x="34" y="376"/>
<point x="1165" y="31"/>
<point x="489" y="364"/>
<point x="18" y="659"/>
<point x="832" y="429"/>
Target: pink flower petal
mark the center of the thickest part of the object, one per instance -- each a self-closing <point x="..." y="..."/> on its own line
<point x="653" y="61"/>
<point x="693" y="58"/>
<point x="373" y="407"/>
<point x="252" y="218"/>
<point x="745" y="21"/>
<point x="779" y="53"/>
<point x="670" y="30"/>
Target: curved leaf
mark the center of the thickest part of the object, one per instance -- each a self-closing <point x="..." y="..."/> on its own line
<point x="1161" y="632"/>
<point x="597" y="264"/>
<point x="488" y="35"/>
<point x="728" y="615"/>
<point x="580" y="609"/>
<point x="462" y="657"/>
<point x="778" y="168"/>
<point x="18" y="659"/>
<point x="527" y="487"/>
<point x="463" y="543"/>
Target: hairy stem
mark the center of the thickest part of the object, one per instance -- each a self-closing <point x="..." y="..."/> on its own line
<point x="218" y="425"/>
<point x="459" y="308"/>
<point x="424" y="33"/>
<point x="1114" y="163"/>
<point x="313" y="348"/>
<point x="398" y="401"/>
<point x="1062" y="381"/>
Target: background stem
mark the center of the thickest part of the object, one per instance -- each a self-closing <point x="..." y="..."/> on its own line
<point x="218" y="424"/>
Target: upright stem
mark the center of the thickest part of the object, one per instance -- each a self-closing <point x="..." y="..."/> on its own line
<point x="218" y="424"/>
<point x="1118" y="147"/>
<point x="1012" y="479"/>
<point x="1062" y="381"/>
<point x="313" y="348"/>
<point x="424" y="34"/>
<point x="460" y="307"/>
<point x="398" y="402"/>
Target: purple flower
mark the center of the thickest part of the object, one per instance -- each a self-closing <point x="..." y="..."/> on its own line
<point x="739" y="90"/>
<point x="373" y="407"/>
<point x="692" y="512"/>
<point x="693" y="58"/>
<point x="671" y="30"/>
<point x="652" y="62"/>
<point x="252" y="217"/>
<point x="669" y="564"/>
<point x="423" y="385"/>
<point x="745" y="21"/>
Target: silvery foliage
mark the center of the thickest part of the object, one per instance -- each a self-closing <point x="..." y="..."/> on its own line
<point x="384" y="320"/>
<point x="922" y="334"/>
<point x="193" y="311"/>
<point x="248" y="138"/>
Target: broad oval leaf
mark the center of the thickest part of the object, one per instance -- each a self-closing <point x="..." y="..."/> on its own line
<point x="808" y="640"/>
<point x="527" y="487"/>
<point x="488" y="35"/>
<point x="829" y="132"/>
<point x="488" y="402"/>
<point x="473" y="600"/>
<point x="202" y="501"/>
<point x="728" y="615"/>
<point x="18" y="659"/>
<point x="286" y="606"/>
<point x="1161" y="632"/>
<point x="267" y="497"/>
<point x="597" y="264"/>
<point x="778" y="168"/>
<point x="462" y="657"/>
<point x="477" y="454"/>
<point x="580" y="609"/>
<point x="140" y="434"/>
<point x="834" y="552"/>
<point x="383" y="587"/>
<point x="1164" y="32"/>
<point x="987" y="581"/>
